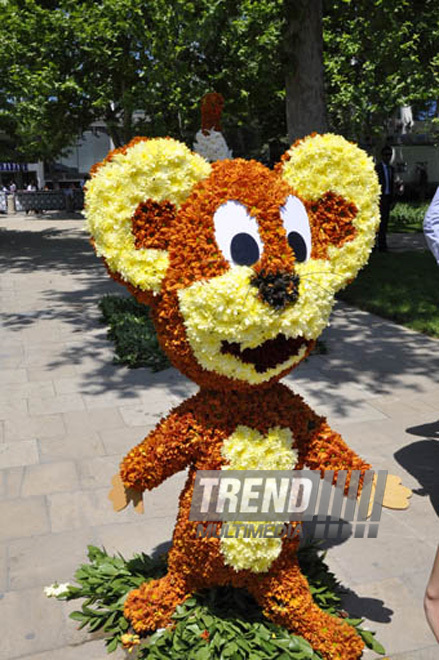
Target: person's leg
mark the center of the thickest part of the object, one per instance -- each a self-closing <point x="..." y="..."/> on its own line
<point x="385" y="220"/>
<point x="382" y="233"/>
<point x="431" y="599"/>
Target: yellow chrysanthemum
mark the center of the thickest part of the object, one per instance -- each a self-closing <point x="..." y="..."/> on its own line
<point x="227" y="308"/>
<point x="310" y="170"/>
<point x="248" y="449"/>
<point x="161" y="169"/>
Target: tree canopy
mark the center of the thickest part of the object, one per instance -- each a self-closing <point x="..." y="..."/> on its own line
<point x="142" y="67"/>
<point x="378" y="55"/>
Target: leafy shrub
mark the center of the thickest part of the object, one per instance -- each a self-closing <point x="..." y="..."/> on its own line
<point x="133" y="333"/>
<point x="407" y="217"/>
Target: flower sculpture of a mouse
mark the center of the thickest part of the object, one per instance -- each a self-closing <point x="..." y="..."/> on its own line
<point x="239" y="265"/>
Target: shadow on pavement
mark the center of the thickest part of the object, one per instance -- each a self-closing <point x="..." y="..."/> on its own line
<point x="73" y="302"/>
<point x="364" y="607"/>
<point x="430" y="430"/>
<point x="421" y="460"/>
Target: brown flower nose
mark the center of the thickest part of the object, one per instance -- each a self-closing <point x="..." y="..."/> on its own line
<point x="277" y="289"/>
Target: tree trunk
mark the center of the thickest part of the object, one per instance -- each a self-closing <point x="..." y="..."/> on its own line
<point x="303" y="48"/>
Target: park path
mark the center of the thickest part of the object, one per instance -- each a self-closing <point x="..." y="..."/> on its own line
<point x="68" y="415"/>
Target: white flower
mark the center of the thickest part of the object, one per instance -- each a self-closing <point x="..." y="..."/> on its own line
<point x="56" y="590"/>
<point x="212" y="146"/>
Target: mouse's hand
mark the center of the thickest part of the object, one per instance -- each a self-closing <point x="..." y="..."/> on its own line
<point x="121" y="496"/>
<point x="396" y="496"/>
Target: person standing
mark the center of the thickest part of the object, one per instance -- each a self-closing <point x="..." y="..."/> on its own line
<point x="386" y="176"/>
<point x="69" y="196"/>
<point x="431" y="226"/>
<point x="431" y="598"/>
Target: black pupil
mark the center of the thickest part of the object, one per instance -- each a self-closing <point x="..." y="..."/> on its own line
<point x="244" y="250"/>
<point x="296" y="243"/>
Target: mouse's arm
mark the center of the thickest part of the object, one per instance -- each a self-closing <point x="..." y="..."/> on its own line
<point x="321" y="448"/>
<point x="165" y="451"/>
<point x="168" y="449"/>
<point x="324" y="449"/>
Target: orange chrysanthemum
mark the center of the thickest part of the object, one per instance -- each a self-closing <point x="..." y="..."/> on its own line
<point x="152" y="223"/>
<point x="211" y="108"/>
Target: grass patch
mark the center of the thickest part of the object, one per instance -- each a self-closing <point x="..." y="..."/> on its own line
<point x="218" y="623"/>
<point x="407" y="217"/>
<point x="133" y="333"/>
<point x="403" y="287"/>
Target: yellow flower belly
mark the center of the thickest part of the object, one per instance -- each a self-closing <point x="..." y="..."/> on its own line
<point x="248" y="449"/>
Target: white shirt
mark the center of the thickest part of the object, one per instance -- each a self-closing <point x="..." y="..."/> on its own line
<point x="431" y="226"/>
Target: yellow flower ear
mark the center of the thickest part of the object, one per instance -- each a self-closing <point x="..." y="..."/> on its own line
<point x="322" y="164"/>
<point x="153" y="171"/>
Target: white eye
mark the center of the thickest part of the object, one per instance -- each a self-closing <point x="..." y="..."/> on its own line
<point x="296" y="223"/>
<point x="237" y="235"/>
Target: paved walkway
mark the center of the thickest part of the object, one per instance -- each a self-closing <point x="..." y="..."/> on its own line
<point x="403" y="242"/>
<point x="69" y="415"/>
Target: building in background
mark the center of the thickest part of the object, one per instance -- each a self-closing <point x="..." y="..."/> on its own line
<point x="413" y="135"/>
<point x="72" y="168"/>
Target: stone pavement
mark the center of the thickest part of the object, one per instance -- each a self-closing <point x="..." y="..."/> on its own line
<point x="68" y="415"/>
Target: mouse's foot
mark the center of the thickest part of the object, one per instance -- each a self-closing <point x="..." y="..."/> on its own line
<point x="152" y="605"/>
<point x="287" y="601"/>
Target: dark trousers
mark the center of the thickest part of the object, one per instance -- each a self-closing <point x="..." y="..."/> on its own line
<point x="385" y="206"/>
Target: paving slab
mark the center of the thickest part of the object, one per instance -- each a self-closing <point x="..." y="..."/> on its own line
<point x="86" y="651"/>
<point x="39" y="560"/>
<point x="23" y="517"/>
<point x="49" y="478"/>
<point x="13" y="454"/>
<point x="68" y="415"/>
<point x="70" y="446"/>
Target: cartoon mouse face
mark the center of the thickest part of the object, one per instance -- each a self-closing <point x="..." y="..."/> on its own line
<point x="239" y="263"/>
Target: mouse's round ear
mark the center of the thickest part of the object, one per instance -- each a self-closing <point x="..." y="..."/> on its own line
<point x="338" y="183"/>
<point x="131" y="201"/>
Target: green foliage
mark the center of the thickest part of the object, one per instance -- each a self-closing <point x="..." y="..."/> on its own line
<point x="39" y="96"/>
<point x="320" y="348"/>
<point x="402" y="287"/>
<point x="143" y="67"/>
<point x="104" y="584"/>
<point x="140" y="67"/>
<point x="378" y="55"/>
<point x="218" y="623"/>
<point x="131" y="329"/>
<point x="407" y="217"/>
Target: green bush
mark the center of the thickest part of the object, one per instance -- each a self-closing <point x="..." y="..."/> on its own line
<point x="407" y="217"/>
<point x="133" y="333"/>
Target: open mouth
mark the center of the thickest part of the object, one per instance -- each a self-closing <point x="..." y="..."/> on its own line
<point x="269" y="354"/>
